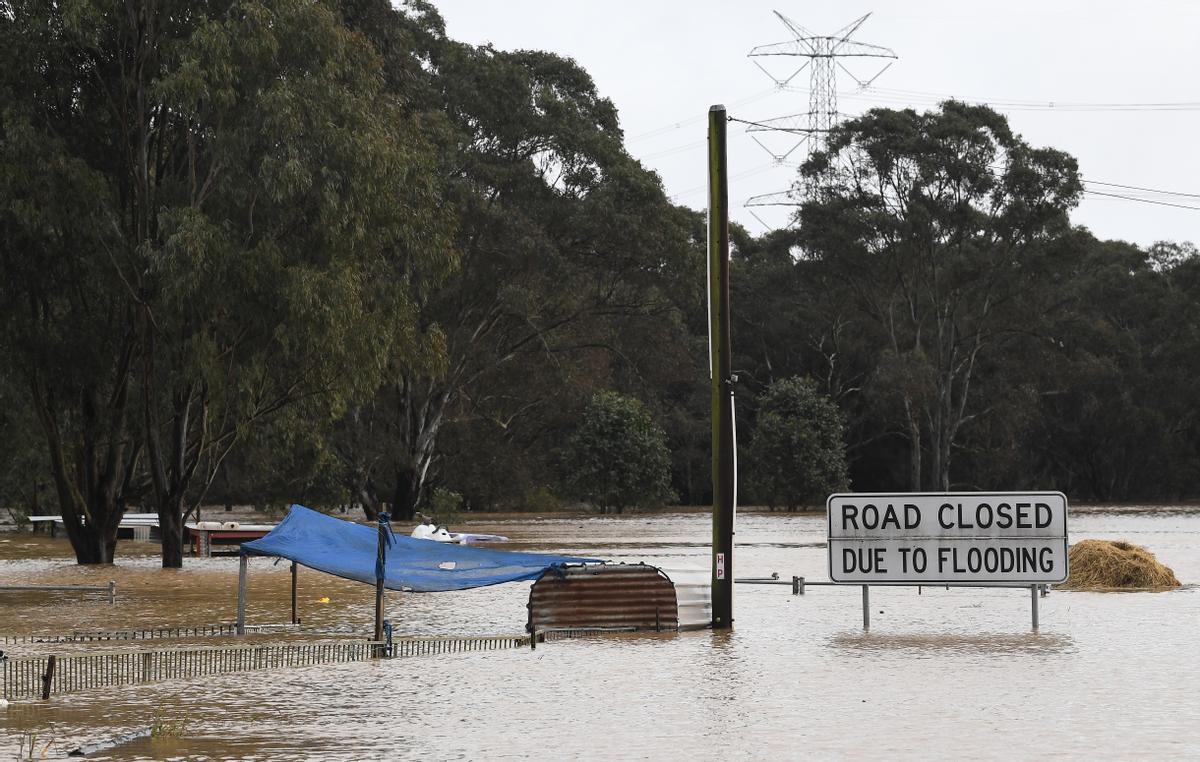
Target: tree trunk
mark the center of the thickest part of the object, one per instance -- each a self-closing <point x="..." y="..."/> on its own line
<point x="91" y="488"/>
<point x="914" y="456"/>
<point x="91" y="527"/>
<point x="92" y="544"/>
<point x="410" y="482"/>
<point x="368" y="498"/>
<point x="170" y="527"/>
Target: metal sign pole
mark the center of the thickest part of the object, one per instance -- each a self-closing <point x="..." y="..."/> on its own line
<point x="1033" y="597"/>
<point x="866" y="607"/>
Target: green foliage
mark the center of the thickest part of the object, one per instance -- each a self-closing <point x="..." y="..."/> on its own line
<point x="259" y="251"/>
<point x="217" y="213"/>
<point x="443" y="506"/>
<point x="568" y="249"/>
<point x="797" y="453"/>
<point x="617" y="457"/>
<point x="540" y="500"/>
<point x="936" y="228"/>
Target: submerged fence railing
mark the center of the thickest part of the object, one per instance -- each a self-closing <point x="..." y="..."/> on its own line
<point x="31" y="677"/>
<point x="152" y="633"/>
<point x="402" y="647"/>
<point x="547" y="634"/>
<point x="799" y="584"/>
<point x="108" y="591"/>
<point x="44" y="676"/>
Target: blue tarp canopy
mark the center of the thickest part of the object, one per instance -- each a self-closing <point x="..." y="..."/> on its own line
<point x="349" y="550"/>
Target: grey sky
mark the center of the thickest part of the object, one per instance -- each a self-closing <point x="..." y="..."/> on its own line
<point x="663" y="63"/>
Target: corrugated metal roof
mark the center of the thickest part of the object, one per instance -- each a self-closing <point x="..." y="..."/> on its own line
<point x="608" y="596"/>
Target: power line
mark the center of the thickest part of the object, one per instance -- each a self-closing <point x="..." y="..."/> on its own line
<point x="1050" y="104"/>
<point x="671" y="151"/>
<point x="734" y="177"/>
<point x="698" y="118"/>
<point x="1140" y="188"/>
<point x="908" y="97"/>
<point x="1155" y="202"/>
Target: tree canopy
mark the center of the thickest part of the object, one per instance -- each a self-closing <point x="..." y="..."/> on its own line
<point x="255" y="251"/>
<point x="938" y="224"/>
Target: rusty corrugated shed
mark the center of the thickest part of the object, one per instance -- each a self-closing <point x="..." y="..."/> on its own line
<point x="608" y="596"/>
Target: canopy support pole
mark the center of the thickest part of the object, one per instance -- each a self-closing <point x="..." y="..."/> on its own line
<point x="295" y="618"/>
<point x="380" y="573"/>
<point x="241" y="604"/>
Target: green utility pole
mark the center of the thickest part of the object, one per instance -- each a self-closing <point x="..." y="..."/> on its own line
<point x="720" y="372"/>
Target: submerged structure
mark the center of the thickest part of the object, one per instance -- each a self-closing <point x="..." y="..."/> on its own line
<point x="619" y="597"/>
<point x="349" y="550"/>
<point x="570" y="592"/>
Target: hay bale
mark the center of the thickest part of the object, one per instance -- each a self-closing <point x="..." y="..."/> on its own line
<point x="1109" y="564"/>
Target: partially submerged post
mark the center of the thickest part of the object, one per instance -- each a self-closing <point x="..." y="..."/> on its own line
<point x="295" y="612"/>
<point x="241" y="604"/>
<point x="720" y="373"/>
<point x="380" y="572"/>
<point x="866" y="607"/>
<point x="48" y="677"/>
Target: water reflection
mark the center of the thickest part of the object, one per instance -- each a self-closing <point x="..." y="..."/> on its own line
<point x="935" y="643"/>
<point x="796" y="678"/>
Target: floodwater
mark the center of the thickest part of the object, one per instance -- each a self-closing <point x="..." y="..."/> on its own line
<point x="944" y="674"/>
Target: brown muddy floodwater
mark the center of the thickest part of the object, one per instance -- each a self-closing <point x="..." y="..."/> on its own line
<point x="946" y="674"/>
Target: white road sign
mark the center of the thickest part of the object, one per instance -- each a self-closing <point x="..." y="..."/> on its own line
<point x="940" y="537"/>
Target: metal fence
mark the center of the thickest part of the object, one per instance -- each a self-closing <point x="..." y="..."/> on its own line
<point x="44" y="676"/>
<point x="431" y="646"/>
<point x="31" y="677"/>
<point x="154" y="633"/>
<point x="547" y="634"/>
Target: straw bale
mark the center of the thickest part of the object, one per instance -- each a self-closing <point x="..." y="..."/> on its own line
<point x="1115" y="564"/>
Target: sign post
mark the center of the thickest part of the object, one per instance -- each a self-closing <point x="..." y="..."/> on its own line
<point x="953" y="538"/>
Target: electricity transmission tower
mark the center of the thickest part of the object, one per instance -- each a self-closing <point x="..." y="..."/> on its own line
<point x="822" y="54"/>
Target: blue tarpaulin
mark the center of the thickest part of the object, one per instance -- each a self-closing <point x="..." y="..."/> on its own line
<point x="348" y="550"/>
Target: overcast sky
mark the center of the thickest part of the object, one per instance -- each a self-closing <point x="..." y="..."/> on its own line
<point x="664" y="62"/>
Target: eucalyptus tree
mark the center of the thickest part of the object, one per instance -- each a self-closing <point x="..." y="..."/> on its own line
<point x="235" y="210"/>
<point x="563" y="241"/>
<point x="938" y="226"/>
<point x="1117" y="418"/>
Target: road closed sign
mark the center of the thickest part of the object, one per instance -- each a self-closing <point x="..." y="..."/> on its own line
<point x="948" y="537"/>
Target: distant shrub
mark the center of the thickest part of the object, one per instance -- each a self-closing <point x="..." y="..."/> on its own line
<point x="797" y="453"/>
<point x="444" y="505"/>
<point x="618" y="457"/>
